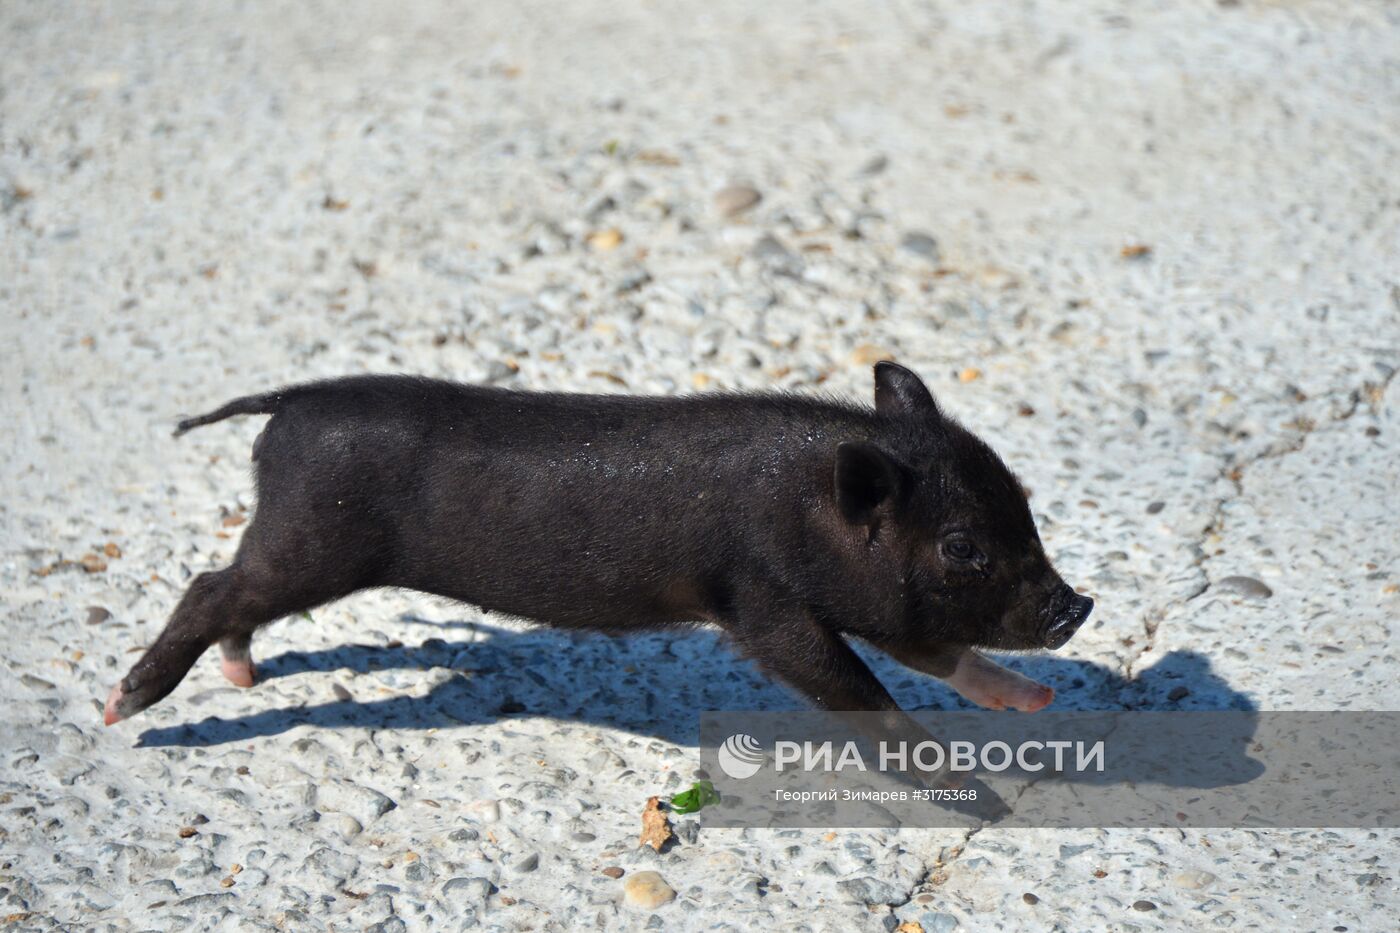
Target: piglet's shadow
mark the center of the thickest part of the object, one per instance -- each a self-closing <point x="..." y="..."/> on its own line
<point x="652" y="685"/>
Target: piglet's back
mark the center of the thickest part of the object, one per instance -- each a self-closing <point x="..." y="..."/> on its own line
<point x="549" y="505"/>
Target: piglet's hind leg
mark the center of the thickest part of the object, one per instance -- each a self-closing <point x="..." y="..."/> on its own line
<point x="202" y="617"/>
<point x="225" y="606"/>
<point x="237" y="662"/>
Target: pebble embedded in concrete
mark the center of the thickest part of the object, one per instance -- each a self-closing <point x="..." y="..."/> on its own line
<point x="647" y="890"/>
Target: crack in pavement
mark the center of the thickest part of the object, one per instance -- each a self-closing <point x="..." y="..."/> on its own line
<point x="1233" y="471"/>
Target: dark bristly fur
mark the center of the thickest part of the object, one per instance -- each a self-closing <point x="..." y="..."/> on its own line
<point x="789" y="521"/>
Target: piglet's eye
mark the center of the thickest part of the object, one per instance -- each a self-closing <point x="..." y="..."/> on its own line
<point x="959" y="549"/>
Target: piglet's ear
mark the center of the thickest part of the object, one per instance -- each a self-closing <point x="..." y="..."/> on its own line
<point x="866" y="479"/>
<point x="898" y="391"/>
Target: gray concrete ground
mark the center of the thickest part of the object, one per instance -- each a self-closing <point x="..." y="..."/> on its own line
<point x="1155" y="262"/>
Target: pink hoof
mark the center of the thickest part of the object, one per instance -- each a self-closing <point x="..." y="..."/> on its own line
<point x="240" y="673"/>
<point x="109" y="713"/>
<point x="1036" y="700"/>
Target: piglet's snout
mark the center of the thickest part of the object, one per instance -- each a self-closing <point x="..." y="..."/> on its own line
<point x="1071" y="611"/>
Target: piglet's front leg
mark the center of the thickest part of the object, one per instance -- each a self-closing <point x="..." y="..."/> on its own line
<point x="978" y="678"/>
<point x="819" y="663"/>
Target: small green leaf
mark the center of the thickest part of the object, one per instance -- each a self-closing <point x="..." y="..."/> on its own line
<point x="701" y="794"/>
<point x="307" y="616"/>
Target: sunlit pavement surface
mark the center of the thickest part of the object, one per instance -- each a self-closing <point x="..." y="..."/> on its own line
<point x="1149" y="252"/>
